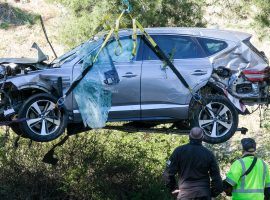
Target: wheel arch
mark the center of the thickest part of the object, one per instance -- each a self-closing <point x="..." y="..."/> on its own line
<point x="21" y="94"/>
<point x="35" y="87"/>
<point x="206" y="90"/>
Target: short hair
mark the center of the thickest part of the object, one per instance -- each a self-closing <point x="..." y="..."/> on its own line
<point x="196" y="133"/>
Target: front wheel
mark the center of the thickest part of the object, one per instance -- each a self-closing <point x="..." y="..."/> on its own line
<point x="218" y="118"/>
<point x="44" y="121"/>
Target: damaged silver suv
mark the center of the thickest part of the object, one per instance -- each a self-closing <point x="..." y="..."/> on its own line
<point x="222" y="66"/>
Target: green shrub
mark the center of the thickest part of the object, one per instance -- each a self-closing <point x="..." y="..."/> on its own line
<point x="85" y="16"/>
<point x="93" y="165"/>
<point x="15" y="16"/>
<point x="4" y="25"/>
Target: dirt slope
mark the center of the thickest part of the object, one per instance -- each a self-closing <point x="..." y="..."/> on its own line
<point x="16" y="41"/>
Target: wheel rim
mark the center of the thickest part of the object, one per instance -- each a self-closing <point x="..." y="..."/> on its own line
<point x="216" y="119"/>
<point x="43" y="118"/>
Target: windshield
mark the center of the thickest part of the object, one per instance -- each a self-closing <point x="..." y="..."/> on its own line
<point x="70" y="55"/>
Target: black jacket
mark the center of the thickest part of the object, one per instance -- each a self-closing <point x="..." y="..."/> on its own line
<point x="195" y="165"/>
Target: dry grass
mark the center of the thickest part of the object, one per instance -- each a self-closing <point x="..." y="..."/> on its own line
<point x="17" y="40"/>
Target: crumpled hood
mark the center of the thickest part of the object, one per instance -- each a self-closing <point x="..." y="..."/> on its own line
<point x="19" y="60"/>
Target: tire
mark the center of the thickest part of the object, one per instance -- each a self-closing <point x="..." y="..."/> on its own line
<point x="219" y="114"/>
<point x="42" y="126"/>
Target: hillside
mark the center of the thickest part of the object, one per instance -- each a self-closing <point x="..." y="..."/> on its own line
<point x="17" y="40"/>
<point x="102" y="164"/>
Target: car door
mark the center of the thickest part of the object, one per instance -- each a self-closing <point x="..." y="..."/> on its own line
<point x="163" y="95"/>
<point x="125" y="94"/>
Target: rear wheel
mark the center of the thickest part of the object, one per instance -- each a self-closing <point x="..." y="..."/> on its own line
<point x="44" y="121"/>
<point x="218" y="119"/>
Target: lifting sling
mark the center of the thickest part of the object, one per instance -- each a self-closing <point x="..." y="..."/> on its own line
<point x="147" y="38"/>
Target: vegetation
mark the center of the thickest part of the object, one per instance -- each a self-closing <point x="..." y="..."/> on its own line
<point x="15" y="16"/>
<point x="113" y="165"/>
<point x="263" y="16"/>
<point x="93" y="165"/>
<point x="86" y="16"/>
<point x="98" y="165"/>
<point x="245" y="14"/>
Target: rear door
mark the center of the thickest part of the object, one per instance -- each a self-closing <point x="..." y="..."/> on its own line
<point x="162" y="94"/>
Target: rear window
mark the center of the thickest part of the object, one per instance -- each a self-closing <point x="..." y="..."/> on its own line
<point x="175" y="47"/>
<point x="211" y="46"/>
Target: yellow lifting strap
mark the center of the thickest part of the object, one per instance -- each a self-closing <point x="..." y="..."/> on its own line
<point x="134" y="38"/>
<point x="116" y="30"/>
<point x="136" y="24"/>
<point x="154" y="45"/>
<point x="117" y="24"/>
<point x="149" y="38"/>
<point x="103" y="45"/>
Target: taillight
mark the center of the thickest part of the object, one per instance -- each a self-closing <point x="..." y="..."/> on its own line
<point x="257" y="76"/>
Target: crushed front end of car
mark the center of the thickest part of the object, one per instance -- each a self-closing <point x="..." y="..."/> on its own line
<point x="16" y="67"/>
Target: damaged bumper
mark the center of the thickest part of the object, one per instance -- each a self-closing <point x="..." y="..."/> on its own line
<point x="243" y="73"/>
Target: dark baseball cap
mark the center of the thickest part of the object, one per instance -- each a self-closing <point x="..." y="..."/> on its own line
<point x="248" y="144"/>
<point x="196" y="133"/>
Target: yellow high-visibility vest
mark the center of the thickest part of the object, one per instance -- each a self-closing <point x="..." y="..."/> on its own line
<point x="251" y="186"/>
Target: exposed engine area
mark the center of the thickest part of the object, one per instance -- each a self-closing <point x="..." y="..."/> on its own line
<point x="12" y="69"/>
<point x="15" y="66"/>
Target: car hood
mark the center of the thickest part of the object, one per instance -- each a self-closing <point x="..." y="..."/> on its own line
<point x="19" y="60"/>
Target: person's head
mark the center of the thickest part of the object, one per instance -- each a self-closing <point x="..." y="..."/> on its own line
<point x="248" y="145"/>
<point x="196" y="133"/>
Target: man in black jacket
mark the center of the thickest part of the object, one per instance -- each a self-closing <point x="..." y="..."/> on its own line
<point x="195" y="165"/>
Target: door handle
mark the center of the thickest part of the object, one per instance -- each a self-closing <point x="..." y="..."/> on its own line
<point x="129" y="75"/>
<point x="199" y="72"/>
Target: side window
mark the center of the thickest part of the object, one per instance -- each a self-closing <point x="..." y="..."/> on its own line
<point x="117" y="53"/>
<point x="211" y="46"/>
<point x="175" y="47"/>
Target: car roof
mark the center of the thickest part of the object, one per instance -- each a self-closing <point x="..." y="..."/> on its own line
<point x="194" y="31"/>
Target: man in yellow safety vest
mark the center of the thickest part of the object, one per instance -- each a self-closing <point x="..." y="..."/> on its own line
<point x="248" y="177"/>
